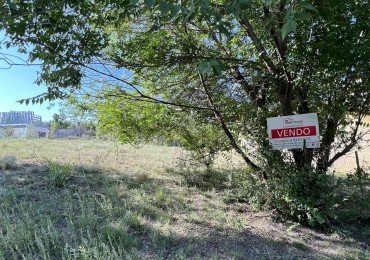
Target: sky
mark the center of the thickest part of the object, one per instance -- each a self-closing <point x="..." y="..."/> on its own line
<point x="17" y="83"/>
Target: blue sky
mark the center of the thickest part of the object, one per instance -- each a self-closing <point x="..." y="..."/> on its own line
<point x="17" y="83"/>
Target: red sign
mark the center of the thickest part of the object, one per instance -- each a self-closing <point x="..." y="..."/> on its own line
<point x="293" y="132"/>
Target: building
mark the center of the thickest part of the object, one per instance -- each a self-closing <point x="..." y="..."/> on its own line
<point x="22" y="124"/>
<point x="69" y="133"/>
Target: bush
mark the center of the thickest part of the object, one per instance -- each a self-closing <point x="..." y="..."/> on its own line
<point x="7" y="163"/>
<point x="302" y="196"/>
<point x="246" y="187"/>
<point x="58" y="174"/>
<point x="206" y="179"/>
<point x="355" y="197"/>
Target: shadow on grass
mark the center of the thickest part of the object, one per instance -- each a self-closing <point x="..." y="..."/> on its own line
<point x="109" y="215"/>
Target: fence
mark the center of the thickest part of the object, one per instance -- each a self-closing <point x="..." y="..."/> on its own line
<point x="348" y="163"/>
<point x="345" y="164"/>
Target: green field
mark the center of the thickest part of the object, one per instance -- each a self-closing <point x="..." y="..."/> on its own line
<point x="88" y="199"/>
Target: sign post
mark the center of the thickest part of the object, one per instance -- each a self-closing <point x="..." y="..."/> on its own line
<point x="292" y="132"/>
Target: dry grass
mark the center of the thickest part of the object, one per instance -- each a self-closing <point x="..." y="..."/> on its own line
<point x="7" y="162"/>
<point x="77" y="199"/>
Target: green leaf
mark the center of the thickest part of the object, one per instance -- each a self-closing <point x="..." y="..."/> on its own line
<point x="302" y="16"/>
<point x="223" y="30"/>
<point x="134" y="2"/>
<point x="205" y="4"/>
<point x="245" y="4"/>
<point x="174" y="9"/>
<point x="289" y="14"/>
<point x="269" y="2"/>
<point x="204" y="67"/>
<point x="212" y="66"/>
<point x="289" y="26"/>
<point x="217" y="67"/>
<point x="148" y="3"/>
<point x="164" y="8"/>
<point x="308" y="6"/>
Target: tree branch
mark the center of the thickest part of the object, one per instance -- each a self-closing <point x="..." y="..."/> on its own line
<point x="257" y="43"/>
<point x="226" y="130"/>
<point x="355" y="137"/>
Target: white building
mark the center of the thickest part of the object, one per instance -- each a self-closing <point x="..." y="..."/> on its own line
<point x="24" y="124"/>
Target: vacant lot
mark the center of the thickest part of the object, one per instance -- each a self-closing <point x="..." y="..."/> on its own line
<point x="75" y="199"/>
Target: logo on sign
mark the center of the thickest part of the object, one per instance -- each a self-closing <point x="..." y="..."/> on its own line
<point x="288" y="121"/>
<point x="291" y="121"/>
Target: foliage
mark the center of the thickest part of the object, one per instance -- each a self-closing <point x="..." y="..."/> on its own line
<point x="209" y="71"/>
<point x="73" y="113"/>
<point x="138" y="123"/>
<point x="305" y="197"/>
<point x="7" y="162"/>
<point x="208" y="179"/>
<point x="7" y="131"/>
<point x="58" y="174"/>
<point x="59" y="122"/>
<point x="205" y="141"/>
<point x="298" y="197"/>
<point x="133" y="122"/>
<point x="355" y="197"/>
<point x="99" y="214"/>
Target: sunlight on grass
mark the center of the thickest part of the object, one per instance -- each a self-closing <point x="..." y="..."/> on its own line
<point x="79" y="199"/>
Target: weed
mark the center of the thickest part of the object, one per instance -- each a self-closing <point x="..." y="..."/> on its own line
<point x="366" y="231"/>
<point x="292" y="227"/>
<point x="58" y="174"/>
<point x="356" y="255"/>
<point x="194" y="217"/>
<point x="133" y="220"/>
<point x="207" y="179"/>
<point x="354" y="195"/>
<point x="214" y="255"/>
<point x="160" y="198"/>
<point x="113" y="208"/>
<point x="7" y="162"/>
<point x="142" y="177"/>
<point x="300" y="245"/>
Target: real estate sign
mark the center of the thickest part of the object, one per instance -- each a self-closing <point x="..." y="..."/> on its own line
<point x="292" y="132"/>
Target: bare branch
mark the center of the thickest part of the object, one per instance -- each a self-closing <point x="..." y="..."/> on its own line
<point x="257" y="43"/>
<point x="13" y="60"/>
<point x="228" y="133"/>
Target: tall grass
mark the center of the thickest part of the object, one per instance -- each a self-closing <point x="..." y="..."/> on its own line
<point x="7" y="162"/>
<point x="96" y="200"/>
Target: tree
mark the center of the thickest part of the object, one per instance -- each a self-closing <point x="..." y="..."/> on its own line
<point x="74" y="112"/>
<point x="228" y="64"/>
<point x="59" y="121"/>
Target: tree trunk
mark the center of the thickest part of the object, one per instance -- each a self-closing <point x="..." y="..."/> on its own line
<point x="327" y="140"/>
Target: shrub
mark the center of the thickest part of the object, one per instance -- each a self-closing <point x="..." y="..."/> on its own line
<point x="302" y="196"/>
<point x="355" y="197"/>
<point x="246" y="187"/>
<point x="7" y="162"/>
<point x="205" y="179"/>
<point x="58" y="174"/>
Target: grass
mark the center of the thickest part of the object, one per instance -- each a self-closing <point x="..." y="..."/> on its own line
<point x="58" y="174"/>
<point x="76" y="199"/>
<point x="7" y="162"/>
